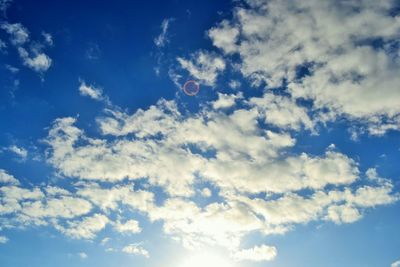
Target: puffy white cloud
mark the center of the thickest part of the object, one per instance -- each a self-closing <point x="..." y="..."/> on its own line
<point x="224" y="36"/>
<point x="225" y="100"/>
<point x="130" y="226"/>
<point x="64" y="206"/>
<point x="85" y="228"/>
<point x="136" y="249"/>
<point x="257" y="253"/>
<point x="203" y="66"/>
<point x="344" y="57"/>
<point x="282" y="112"/>
<point x="109" y="199"/>
<point x="395" y="264"/>
<point x="90" y="91"/>
<point x="18" y="33"/>
<point x="39" y="62"/>
<point x="6" y="178"/>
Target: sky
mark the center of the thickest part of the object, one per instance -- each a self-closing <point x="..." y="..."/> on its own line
<point x="287" y="156"/>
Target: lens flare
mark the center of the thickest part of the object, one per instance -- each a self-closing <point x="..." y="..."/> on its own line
<point x="191" y="88"/>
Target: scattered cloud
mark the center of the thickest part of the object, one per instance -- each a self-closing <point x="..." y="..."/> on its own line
<point x="325" y="52"/>
<point x="39" y="62"/>
<point x="162" y="39"/>
<point x="19" y="151"/>
<point x="19" y="35"/>
<point x="130" y="226"/>
<point x="136" y="249"/>
<point x="3" y="239"/>
<point x="90" y="91"/>
<point x="82" y="255"/>
<point x="395" y="264"/>
<point x="3" y="46"/>
<point x="247" y="160"/>
<point x="257" y="253"/>
<point x="226" y="100"/>
<point x="93" y="52"/>
<point x="48" y="38"/>
<point x="203" y="66"/>
<point x="85" y="228"/>
<point x="6" y="178"/>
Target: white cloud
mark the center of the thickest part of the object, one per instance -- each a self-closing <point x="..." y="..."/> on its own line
<point x="246" y="159"/>
<point x="130" y="226"/>
<point x="39" y="62"/>
<point x="20" y="151"/>
<point x="3" y="239"/>
<point x="105" y="240"/>
<point x="234" y="84"/>
<point x="225" y="100"/>
<point x="162" y="39"/>
<point x="19" y="35"/>
<point x="282" y="112"/>
<point x="6" y="178"/>
<point x="325" y="52"/>
<point x="90" y="91"/>
<point x="224" y="36"/>
<point x="395" y="264"/>
<point x="206" y="192"/>
<point x="203" y="66"/>
<point x="257" y="253"/>
<point x="86" y="228"/>
<point x="48" y="38"/>
<point x="136" y="250"/>
<point x="82" y="255"/>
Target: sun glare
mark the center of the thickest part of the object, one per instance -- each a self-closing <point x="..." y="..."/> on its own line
<point x="206" y="259"/>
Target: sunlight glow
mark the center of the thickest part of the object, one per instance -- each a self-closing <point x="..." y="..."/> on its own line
<point x="206" y="259"/>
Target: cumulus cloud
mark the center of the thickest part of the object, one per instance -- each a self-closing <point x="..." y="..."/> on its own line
<point x="325" y="52"/>
<point x="6" y="178"/>
<point x="39" y="62"/>
<point x="85" y="228"/>
<point x="136" y="249"/>
<point x="244" y="148"/>
<point x="225" y="100"/>
<point x="90" y="91"/>
<point x="234" y="153"/>
<point x="19" y="35"/>
<point x="130" y="226"/>
<point x="282" y="112"/>
<point x="203" y="66"/>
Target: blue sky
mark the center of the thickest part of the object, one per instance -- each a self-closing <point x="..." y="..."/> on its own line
<point x="287" y="156"/>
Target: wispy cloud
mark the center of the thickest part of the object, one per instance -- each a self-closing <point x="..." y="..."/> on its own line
<point x="162" y="39"/>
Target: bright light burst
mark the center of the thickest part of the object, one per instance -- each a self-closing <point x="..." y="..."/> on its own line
<point x="206" y="259"/>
